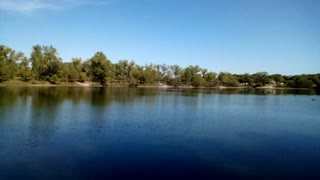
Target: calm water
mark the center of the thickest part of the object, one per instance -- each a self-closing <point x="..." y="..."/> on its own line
<point x="122" y="133"/>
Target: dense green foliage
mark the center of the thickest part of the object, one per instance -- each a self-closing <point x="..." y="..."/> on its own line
<point x="44" y="64"/>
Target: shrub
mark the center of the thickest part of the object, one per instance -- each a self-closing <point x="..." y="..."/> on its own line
<point x="54" y="79"/>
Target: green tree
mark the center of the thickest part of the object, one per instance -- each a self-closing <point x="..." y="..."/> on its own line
<point x="137" y="75"/>
<point x="45" y="63"/>
<point x="131" y="68"/>
<point x="197" y="80"/>
<point x="189" y="74"/>
<point x="260" y="78"/>
<point x="245" y="79"/>
<point x="76" y="70"/>
<point x="8" y="63"/>
<point x="210" y="79"/>
<point x="164" y="74"/>
<point x="302" y="81"/>
<point x="101" y="68"/>
<point x="277" y="77"/>
<point x="38" y="65"/>
<point x="24" y="71"/>
<point x="4" y="51"/>
<point x="150" y="74"/>
<point x="177" y="73"/>
<point x="122" y="70"/>
<point x="227" y="79"/>
<point x="316" y="80"/>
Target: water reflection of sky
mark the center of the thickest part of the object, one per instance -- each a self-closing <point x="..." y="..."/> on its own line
<point x="86" y="133"/>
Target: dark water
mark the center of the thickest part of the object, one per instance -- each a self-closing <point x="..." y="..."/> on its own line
<point x="120" y="133"/>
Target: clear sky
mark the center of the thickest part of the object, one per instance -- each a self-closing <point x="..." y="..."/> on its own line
<point x="237" y="36"/>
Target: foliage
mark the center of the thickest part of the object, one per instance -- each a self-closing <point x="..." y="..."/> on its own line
<point x="101" y="68"/>
<point x="8" y="63"/>
<point x="245" y="79"/>
<point x="53" y="79"/>
<point x="210" y="79"/>
<point x="277" y="78"/>
<point x="227" y="79"/>
<point x="44" y="64"/>
<point x="301" y="82"/>
<point x="260" y="78"/>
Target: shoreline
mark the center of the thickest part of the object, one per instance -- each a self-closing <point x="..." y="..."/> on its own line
<point x="91" y="84"/>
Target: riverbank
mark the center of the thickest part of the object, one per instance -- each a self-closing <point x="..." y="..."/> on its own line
<point x="13" y="83"/>
<point x="16" y="83"/>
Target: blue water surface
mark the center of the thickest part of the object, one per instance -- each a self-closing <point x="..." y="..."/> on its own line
<point x="133" y="133"/>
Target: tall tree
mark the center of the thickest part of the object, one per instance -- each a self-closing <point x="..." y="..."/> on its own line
<point x="38" y="65"/>
<point x="25" y="72"/>
<point x="122" y="70"/>
<point x="189" y="74"/>
<point x="261" y="78"/>
<point x="9" y="60"/>
<point x="45" y="62"/>
<point x="101" y="68"/>
<point x="4" y="51"/>
<point x="76" y="71"/>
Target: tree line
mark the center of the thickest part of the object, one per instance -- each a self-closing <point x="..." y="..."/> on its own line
<point x="44" y="64"/>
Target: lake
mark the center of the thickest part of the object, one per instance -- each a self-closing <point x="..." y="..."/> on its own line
<point x="136" y="133"/>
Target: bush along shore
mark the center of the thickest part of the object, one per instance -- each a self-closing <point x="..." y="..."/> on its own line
<point x="45" y="68"/>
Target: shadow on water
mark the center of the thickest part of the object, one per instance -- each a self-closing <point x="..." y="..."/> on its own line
<point x="53" y="96"/>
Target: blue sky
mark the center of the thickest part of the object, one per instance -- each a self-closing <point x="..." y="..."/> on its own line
<point x="237" y="36"/>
